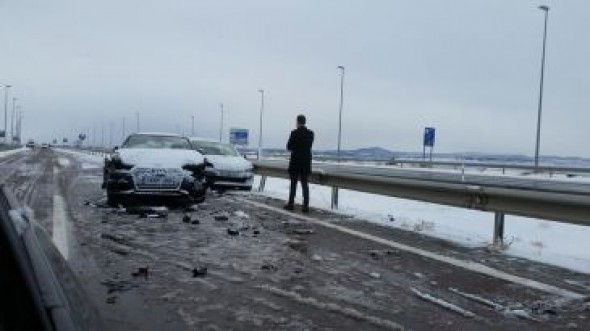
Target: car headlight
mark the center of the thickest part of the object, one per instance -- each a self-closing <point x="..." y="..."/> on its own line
<point x="120" y="164"/>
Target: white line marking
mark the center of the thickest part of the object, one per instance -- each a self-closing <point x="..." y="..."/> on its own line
<point x="60" y="226"/>
<point x="467" y="265"/>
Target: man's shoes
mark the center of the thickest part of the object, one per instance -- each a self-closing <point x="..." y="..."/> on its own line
<point x="305" y="209"/>
<point x="289" y="207"/>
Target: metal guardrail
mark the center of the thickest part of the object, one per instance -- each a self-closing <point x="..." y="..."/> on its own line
<point x="502" y="166"/>
<point x="559" y="205"/>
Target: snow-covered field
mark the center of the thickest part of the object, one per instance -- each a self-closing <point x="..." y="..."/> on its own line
<point x="555" y="243"/>
<point x="12" y="151"/>
<point x="560" y="244"/>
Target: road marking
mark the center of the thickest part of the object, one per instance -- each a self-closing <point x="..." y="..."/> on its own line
<point x="60" y="226"/>
<point x="467" y="265"/>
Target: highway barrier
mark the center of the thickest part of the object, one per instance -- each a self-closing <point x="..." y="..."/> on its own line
<point x="567" y="202"/>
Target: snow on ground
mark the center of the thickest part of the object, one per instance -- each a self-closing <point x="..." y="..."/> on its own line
<point x="89" y="161"/>
<point x="560" y="244"/>
<point x="12" y="151"/>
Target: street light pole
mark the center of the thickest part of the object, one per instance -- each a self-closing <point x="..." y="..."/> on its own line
<point x="6" y="88"/>
<point x="546" y="10"/>
<point x="260" y="130"/>
<point x="335" y="189"/>
<point x="340" y="111"/>
<point x="12" y="135"/>
<point x="19" y="121"/>
<point x="137" y="118"/>
<point x="123" y="130"/>
<point x="221" y="126"/>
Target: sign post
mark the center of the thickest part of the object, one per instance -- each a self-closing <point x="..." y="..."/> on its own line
<point x="238" y="136"/>
<point x="429" y="135"/>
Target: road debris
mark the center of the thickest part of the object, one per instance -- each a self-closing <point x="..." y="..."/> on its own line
<point x="118" y="238"/>
<point x="375" y="275"/>
<point x="186" y="218"/>
<point x="221" y="218"/>
<point x="333" y="307"/>
<point x="543" y="308"/>
<point x="269" y="267"/>
<point x="241" y="214"/>
<point x="303" y="231"/>
<point x="114" y="286"/>
<point x="316" y="258"/>
<point x="442" y="303"/>
<point x="478" y="299"/>
<point x="199" y="272"/>
<point x="232" y="232"/>
<point x="141" y="271"/>
<point x="297" y="245"/>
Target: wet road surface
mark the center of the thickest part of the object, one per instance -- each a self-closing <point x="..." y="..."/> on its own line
<point x="236" y="263"/>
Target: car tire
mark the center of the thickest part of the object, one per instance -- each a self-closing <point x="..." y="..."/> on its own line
<point x="112" y="200"/>
<point x="200" y="199"/>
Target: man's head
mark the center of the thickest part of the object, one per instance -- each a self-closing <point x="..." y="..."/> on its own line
<point x="300" y="120"/>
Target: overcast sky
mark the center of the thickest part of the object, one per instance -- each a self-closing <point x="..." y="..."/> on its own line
<point x="470" y="68"/>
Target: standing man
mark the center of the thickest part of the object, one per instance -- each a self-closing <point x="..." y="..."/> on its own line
<point x="299" y="145"/>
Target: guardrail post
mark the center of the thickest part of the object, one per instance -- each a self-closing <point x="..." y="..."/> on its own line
<point x="499" y="229"/>
<point x="262" y="183"/>
<point x="334" y="204"/>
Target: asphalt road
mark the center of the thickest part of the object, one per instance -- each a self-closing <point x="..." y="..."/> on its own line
<point x="275" y="270"/>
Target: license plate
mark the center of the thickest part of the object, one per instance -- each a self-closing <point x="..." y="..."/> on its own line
<point x="156" y="180"/>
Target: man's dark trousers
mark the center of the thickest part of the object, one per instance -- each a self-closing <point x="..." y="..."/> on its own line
<point x="301" y="176"/>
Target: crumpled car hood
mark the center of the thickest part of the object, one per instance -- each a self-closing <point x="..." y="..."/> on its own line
<point x="159" y="158"/>
<point x="229" y="163"/>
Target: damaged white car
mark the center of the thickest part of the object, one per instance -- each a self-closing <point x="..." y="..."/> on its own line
<point x="228" y="169"/>
<point x="154" y="165"/>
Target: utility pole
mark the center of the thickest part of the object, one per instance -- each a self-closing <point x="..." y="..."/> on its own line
<point x="137" y="118"/>
<point x="6" y="88"/>
<point x="12" y="135"/>
<point x="19" y="121"/>
<point x="123" y="130"/>
<point x="335" y="189"/>
<point x="537" y="147"/>
<point x="260" y="132"/>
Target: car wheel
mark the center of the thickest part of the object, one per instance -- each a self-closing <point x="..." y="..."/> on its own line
<point x="199" y="199"/>
<point x="113" y="200"/>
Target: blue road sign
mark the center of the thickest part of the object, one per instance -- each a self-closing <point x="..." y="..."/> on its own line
<point x="429" y="134"/>
<point x="238" y="136"/>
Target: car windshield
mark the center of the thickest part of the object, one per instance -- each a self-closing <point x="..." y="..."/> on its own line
<point x="214" y="148"/>
<point x="156" y="142"/>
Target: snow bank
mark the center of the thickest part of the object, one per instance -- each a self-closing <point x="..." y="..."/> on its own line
<point x="560" y="244"/>
<point x="12" y="151"/>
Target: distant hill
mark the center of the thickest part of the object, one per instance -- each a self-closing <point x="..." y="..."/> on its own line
<point x="383" y="154"/>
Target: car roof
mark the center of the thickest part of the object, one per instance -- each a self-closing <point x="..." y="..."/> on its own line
<point x="162" y="134"/>
<point x="204" y="139"/>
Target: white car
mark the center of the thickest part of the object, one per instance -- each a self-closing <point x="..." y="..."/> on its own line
<point x="155" y="164"/>
<point x="230" y="169"/>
